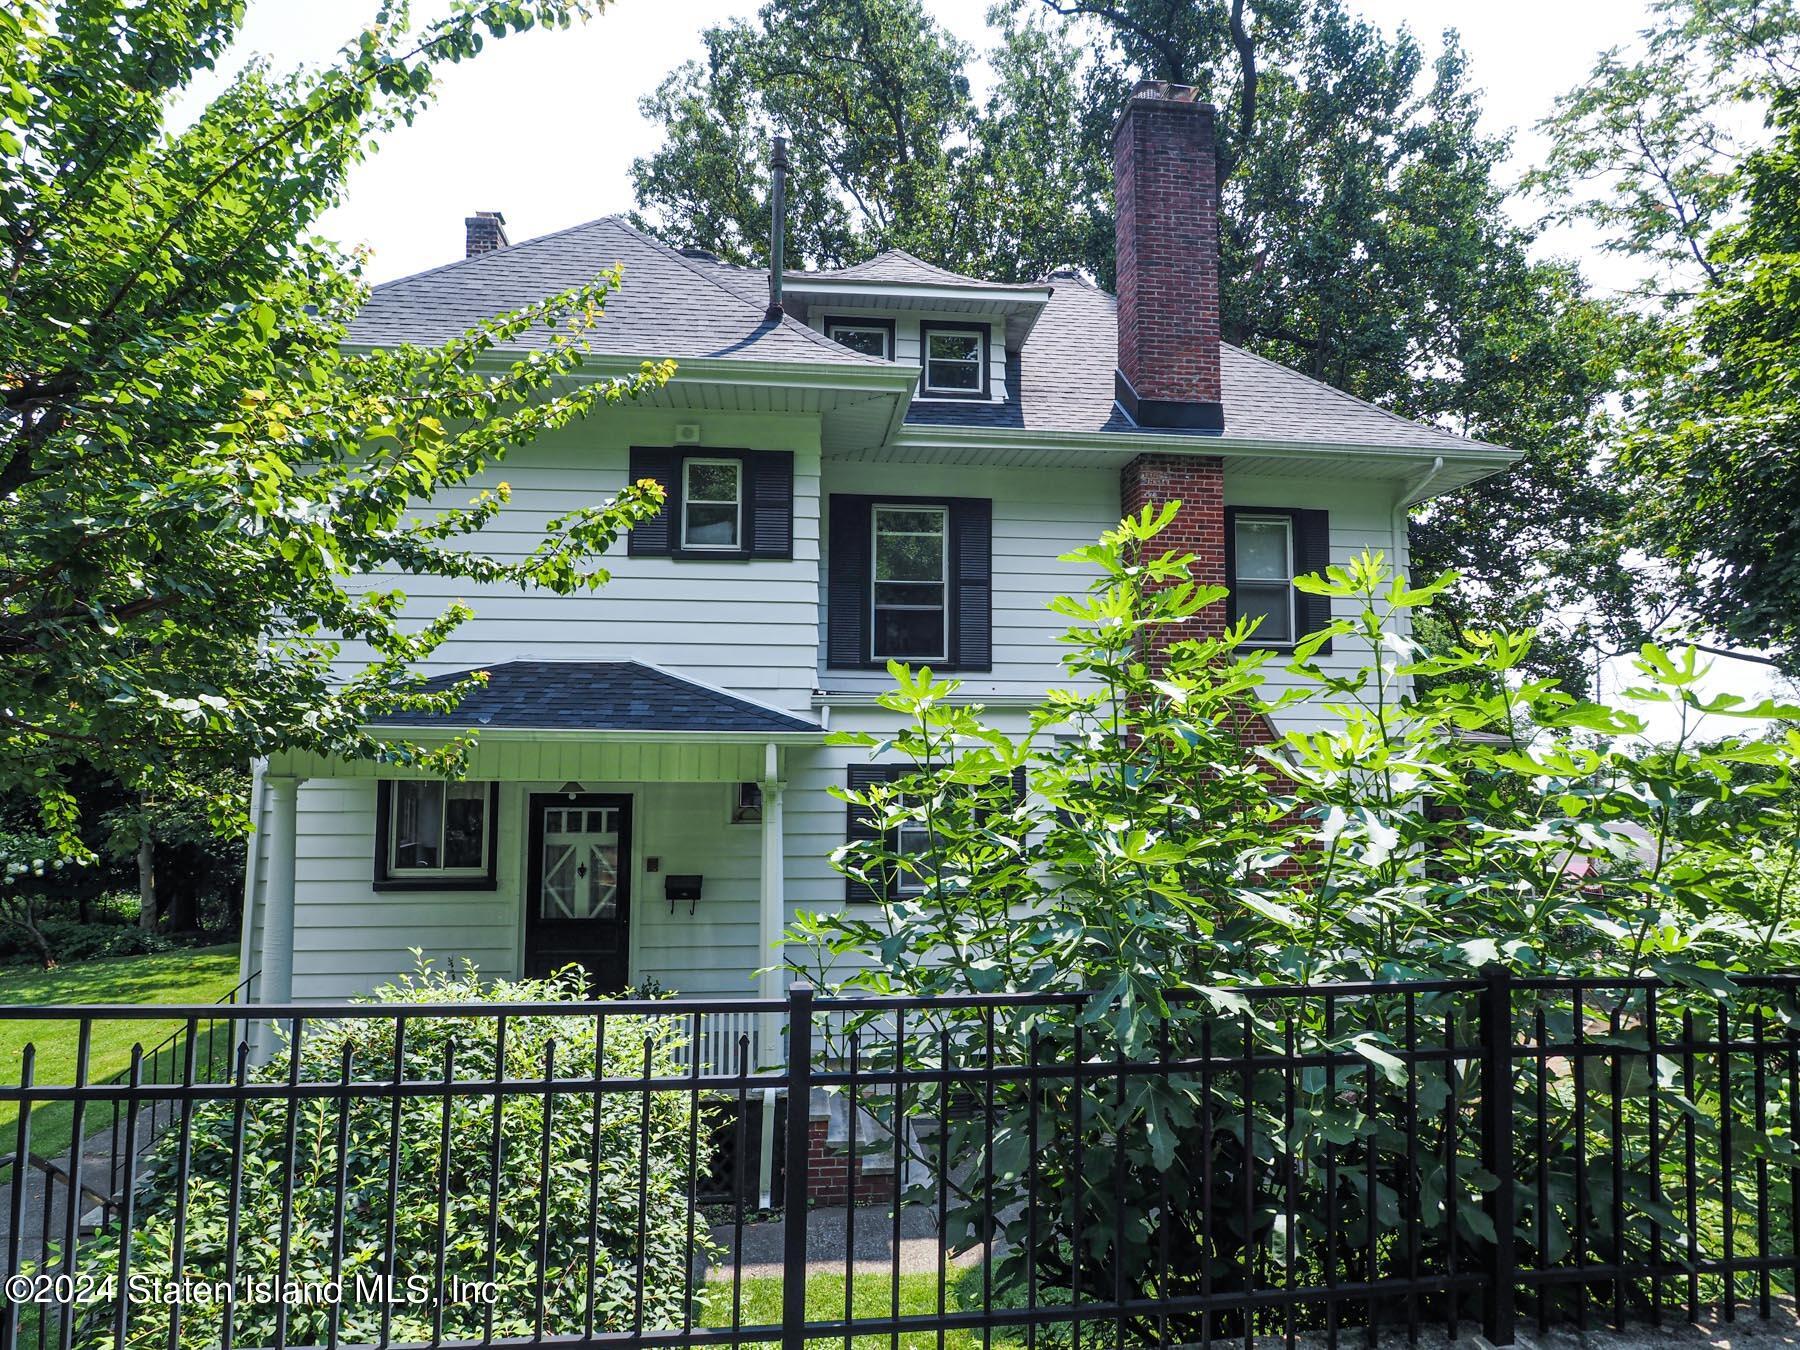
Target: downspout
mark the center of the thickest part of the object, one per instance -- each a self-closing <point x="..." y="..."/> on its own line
<point x="778" y="167"/>
<point x="1416" y="492"/>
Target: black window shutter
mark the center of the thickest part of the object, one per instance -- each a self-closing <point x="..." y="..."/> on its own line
<point x="972" y="561"/>
<point x="654" y="537"/>
<point x="847" y="584"/>
<point x="859" y="824"/>
<point x="771" y="475"/>
<point x="1312" y="555"/>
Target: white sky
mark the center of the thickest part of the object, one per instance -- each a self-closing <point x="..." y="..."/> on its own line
<point x="544" y="127"/>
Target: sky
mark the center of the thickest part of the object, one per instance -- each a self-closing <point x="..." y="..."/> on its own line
<point x="543" y="127"/>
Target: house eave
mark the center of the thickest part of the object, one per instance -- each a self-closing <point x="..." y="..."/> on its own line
<point x="1463" y="462"/>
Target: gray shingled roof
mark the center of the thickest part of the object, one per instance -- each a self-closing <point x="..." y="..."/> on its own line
<point x="671" y="305"/>
<point x="897" y="265"/>
<point x="668" y="306"/>
<point x="1063" y="381"/>
<point x="597" y="696"/>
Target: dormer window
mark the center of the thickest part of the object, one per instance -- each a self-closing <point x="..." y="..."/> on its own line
<point x="955" y="357"/>
<point x="871" y="337"/>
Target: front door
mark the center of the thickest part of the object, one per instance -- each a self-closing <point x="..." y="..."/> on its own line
<point x="578" y="890"/>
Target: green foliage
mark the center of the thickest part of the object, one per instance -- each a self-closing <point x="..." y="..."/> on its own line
<point x="584" y="1196"/>
<point x="1436" y="809"/>
<point x="193" y="474"/>
<point x="1657" y="149"/>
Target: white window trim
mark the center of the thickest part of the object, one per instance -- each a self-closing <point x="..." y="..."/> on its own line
<point x="984" y="339"/>
<point x="397" y="869"/>
<point x="943" y="514"/>
<point x="1287" y="525"/>
<point x="737" y="543"/>
<point x="835" y="327"/>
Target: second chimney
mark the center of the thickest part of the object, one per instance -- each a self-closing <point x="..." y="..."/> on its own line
<point x="1167" y="239"/>
<point x="485" y="232"/>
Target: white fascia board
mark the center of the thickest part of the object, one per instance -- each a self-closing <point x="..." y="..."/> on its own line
<point x="873" y="377"/>
<point x="1127" y="444"/>
<point x="435" y="736"/>
<point x="921" y="293"/>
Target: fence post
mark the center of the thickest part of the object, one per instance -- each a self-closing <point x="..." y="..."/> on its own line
<point x="793" y="1188"/>
<point x="1497" y="1150"/>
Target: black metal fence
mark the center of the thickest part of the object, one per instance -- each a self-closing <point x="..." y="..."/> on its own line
<point x="1238" y="1163"/>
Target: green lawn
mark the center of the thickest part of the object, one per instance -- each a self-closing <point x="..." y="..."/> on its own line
<point x="873" y="1298"/>
<point x="190" y="975"/>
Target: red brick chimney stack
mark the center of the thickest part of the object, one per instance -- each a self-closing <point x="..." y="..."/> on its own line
<point x="1167" y="238"/>
<point x="484" y="231"/>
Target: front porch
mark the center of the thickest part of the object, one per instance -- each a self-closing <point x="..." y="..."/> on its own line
<point x="652" y="856"/>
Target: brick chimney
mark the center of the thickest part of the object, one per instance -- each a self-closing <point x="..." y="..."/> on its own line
<point x="1167" y="239"/>
<point x="485" y="231"/>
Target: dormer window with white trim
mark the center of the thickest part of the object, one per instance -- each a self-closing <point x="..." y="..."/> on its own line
<point x="955" y="358"/>
<point x="712" y="504"/>
<point x="871" y="337"/>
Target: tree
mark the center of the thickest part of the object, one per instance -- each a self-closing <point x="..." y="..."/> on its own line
<point x="1655" y="150"/>
<point x="1158" y="881"/>
<point x="892" y="150"/>
<point x="1365" y="239"/>
<point x="193" y="475"/>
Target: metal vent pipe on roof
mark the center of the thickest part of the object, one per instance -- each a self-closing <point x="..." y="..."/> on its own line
<point x="778" y="167"/>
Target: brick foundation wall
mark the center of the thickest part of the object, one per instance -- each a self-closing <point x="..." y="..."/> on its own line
<point x="833" y="1177"/>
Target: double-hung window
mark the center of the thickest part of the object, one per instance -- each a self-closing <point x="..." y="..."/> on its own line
<point x="712" y="504"/>
<point x="871" y="337"/>
<point x="435" y="834"/>
<point x="718" y="505"/>
<point x="910" y="597"/>
<point x="1266" y="548"/>
<point x="955" y="358"/>
<point x="1265" y="575"/>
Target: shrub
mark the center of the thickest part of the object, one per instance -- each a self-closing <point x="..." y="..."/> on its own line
<point x="554" y="1197"/>
<point x="1440" y="812"/>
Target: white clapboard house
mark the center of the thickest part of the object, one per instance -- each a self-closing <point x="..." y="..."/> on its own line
<point x="884" y="463"/>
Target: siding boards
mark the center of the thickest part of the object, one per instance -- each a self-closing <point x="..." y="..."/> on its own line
<point x="750" y="625"/>
<point x="349" y="939"/>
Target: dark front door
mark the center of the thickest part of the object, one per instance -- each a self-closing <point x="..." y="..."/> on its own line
<point x="578" y="888"/>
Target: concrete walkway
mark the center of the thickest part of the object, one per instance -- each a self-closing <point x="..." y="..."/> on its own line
<point x="828" y="1233"/>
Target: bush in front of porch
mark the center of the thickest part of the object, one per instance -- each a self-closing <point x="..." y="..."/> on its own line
<point x="582" y="1213"/>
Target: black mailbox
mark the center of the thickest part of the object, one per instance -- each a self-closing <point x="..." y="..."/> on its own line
<point x="682" y="886"/>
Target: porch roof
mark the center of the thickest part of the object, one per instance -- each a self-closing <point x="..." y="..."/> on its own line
<point x="598" y="696"/>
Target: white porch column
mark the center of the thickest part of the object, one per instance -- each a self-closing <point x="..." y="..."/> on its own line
<point x="772" y="982"/>
<point x="275" y="980"/>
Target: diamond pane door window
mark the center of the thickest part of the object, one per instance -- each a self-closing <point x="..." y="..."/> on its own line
<point x="581" y="864"/>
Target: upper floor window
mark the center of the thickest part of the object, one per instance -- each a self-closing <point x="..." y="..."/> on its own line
<point x="1265" y="575"/>
<point x="909" y="579"/>
<point x="871" y="337"/>
<point x="955" y="358"/>
<point x="718" y="505"/>
<point x="910" y="582"/>
<point x="1266" y="547"/>
<point x="712" y="503"/>
<point x="435" y="835"/>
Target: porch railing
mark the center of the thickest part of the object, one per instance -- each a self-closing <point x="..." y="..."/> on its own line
<point x="1258" y="1161"/>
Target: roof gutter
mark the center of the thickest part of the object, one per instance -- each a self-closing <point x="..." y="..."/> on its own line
<point x="1126" y="444"/>
<point x="423" y="734"/>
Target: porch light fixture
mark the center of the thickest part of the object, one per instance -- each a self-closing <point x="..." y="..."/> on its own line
<point x="571" y="789"/>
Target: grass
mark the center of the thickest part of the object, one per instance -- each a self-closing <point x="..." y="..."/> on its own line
<point x="189" y="975"/>
<point x="873" y="1297"/>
